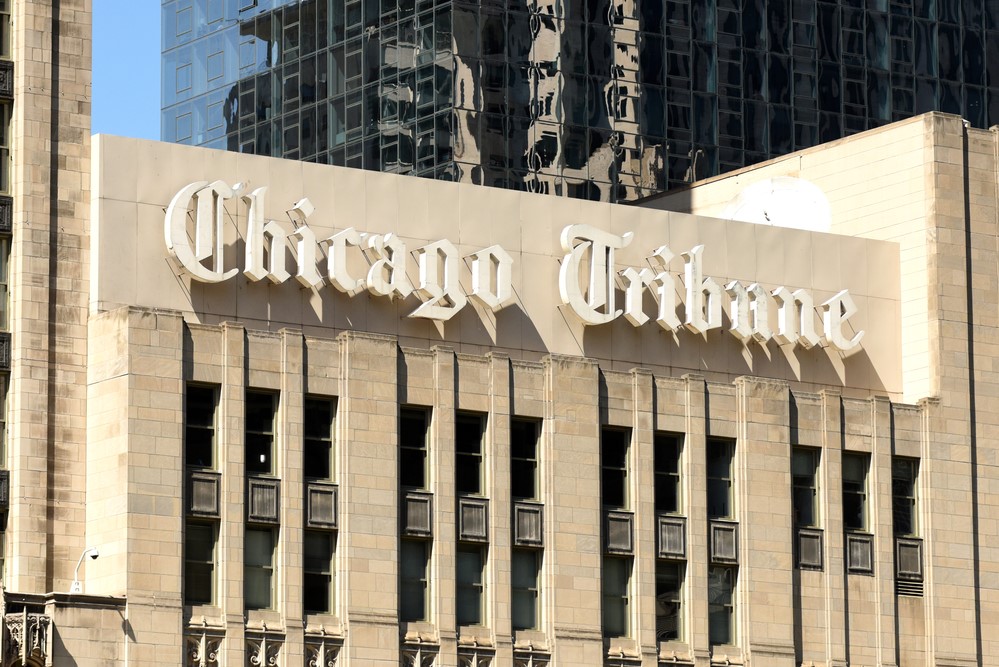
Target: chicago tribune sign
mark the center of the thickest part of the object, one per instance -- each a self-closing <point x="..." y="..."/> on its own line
<point x="588" y="279"/>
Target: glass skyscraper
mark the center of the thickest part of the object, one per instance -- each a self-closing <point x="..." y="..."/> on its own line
<point x="584" y="98"/>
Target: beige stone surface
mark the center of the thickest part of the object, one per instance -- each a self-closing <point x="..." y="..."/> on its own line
<point x="130" y="266"/>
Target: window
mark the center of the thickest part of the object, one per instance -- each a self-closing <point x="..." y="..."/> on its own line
<point x="5" y="31"/>
<point x="470" y="607"/>
<point x="5" y="111"/>
<point x="216" y="11"/>
<point x="4" y="283"/>
<point x="199" y="563"/>
<point x="413" y="558"/>
<point x="215" y="65"/>
<point x="258" y="568"/>
<point x="667" y="472"/>
<point x="804" y="466"/>
<point x="669" y="599"/>
<point x="614" y="462"/>
<point x="184" y="74"/>
<point x="855" y="490"/>
<point x="524" y="458"/>
<point x="184" y="126"/>
<point x="4" y="387"/>
<point x="524" y="580"/>
<point x="261" y="408"/>
<point x="721" y="605"/>
<point x="720" y="497"/>
<point x="185" y="20"/>
<point x="413" y="447"/>
<point x="318" y="567"/>
<point x="468" y="431"/>
<point x="318" y="418"/>
<point x="903" y="496"/>
<point x="616" y="596"/>
<point x="199" y="426"/>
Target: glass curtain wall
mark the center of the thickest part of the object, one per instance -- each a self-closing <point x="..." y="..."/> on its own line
<point x="598" y="100"/>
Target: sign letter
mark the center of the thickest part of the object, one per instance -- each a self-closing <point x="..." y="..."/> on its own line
<point x="207" y="226"/>
<point x="836" y="311"/>
<point x="437" y="292"/>
<point x="697" y="288"/>
<point x="600" y="294"/>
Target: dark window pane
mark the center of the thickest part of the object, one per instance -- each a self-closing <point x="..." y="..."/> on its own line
<point x="413" y="558"/>
<point x="669" y="583"/>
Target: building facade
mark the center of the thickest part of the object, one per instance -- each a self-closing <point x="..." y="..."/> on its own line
<point x="595" y="100"/>
<point x="312" y="415"/>
<point x="439" y="438"/>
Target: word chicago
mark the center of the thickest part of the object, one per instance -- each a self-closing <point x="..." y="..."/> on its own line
<point x="588" y="277"/>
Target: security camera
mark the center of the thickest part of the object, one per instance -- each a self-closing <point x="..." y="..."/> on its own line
<point x="77" y="586"/>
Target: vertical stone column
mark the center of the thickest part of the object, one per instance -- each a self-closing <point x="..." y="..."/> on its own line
<point x="883" y="528"/>
<point x="643" y="458"/>
<point x="500" y="508"/>
<point x="155" y="474"/>
<point x="290" y="461"/>
<point x="49" y="278"/>
<point x="135" y="461"/>
<point x="831" y="502"/>
<point x="573" y="551"/>
<point x="230" y="443"/>
<point x="368" y="469"/>
<point x="695" y="482"/>
<point x="763" y="487"/>
<point x="960" y="273"/>
<point x="441" y="462"/>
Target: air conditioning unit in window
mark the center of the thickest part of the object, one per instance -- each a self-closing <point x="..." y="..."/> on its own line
<point x="619" y="532"/>
<point x="909" y="558"/>
<point x="473" y="519"/>
<point x="724" y="539"/>
<point x="528" y="524"/>
<point x="809" y="548"/>
<point x="860" y="553"/>
<point x="262" y="494"/>
<point x="672" y="536"/>
<point x="203" y="493"/>
<point x="321" y="505"/>
<point x="416" y="514"/>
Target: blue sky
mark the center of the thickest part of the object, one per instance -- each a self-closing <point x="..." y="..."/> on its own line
<point x="127" y="68"/>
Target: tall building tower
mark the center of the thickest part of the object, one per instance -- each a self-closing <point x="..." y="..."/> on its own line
<point x="593" y="99"/>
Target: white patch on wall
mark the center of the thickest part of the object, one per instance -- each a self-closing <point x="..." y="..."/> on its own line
<point x="782" y="201"/>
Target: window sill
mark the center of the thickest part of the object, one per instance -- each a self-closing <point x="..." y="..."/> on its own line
<point x="474" y="635"/>
<point x="726" y="654"/>
<point x="530" y="639"/>
<point x="193" y="613"/>
<point x="418" y="631"/>
<point x="676" y="651"/>
<point x="622" y="647"/>
<point x="256" y="618"/>
<point x="317" y="623"/>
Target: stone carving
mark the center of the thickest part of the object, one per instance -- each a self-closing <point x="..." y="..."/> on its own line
<point x="203" y="650"/>
<point x="530" y="658"/>
<point x="6" y="79"/>
<point x="263" y="651"/>
<point x="322" y="654"/>
<point x="30" y="638"/>
<point x="419" y="655"/>
<point x="475" y="658"/>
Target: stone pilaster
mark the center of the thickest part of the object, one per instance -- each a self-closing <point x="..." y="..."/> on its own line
<point x="367" y="464"/>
